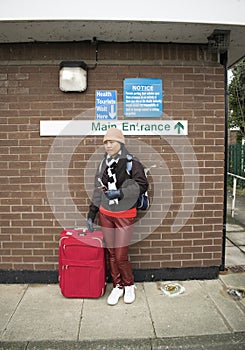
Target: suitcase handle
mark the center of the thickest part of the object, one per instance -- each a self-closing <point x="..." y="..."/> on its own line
<point x="83" y="230"/>
<point x="81" y="234"/>
<point x="78" y="233"/>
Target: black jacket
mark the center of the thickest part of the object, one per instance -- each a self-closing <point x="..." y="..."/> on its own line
<point x="130" y="185"/>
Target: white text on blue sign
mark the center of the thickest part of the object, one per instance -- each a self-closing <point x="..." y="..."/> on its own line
<point x="143" y="97"/>
<point x="106" y="104"/>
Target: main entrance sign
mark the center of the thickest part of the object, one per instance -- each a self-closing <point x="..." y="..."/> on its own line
<point x="128" y="127"/>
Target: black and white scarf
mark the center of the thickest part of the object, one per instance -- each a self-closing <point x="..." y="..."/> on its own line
<point x="111" y="171"/>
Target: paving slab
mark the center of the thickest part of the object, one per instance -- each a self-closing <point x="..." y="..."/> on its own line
<point x="233" y="228"/>
<point x="228" y="243"/>
<point x="10" y="296"/>
<point x="234" y="257"/>
<point x="237" y="237"/>
<point x="188" y="314"/>
<point x="44" y="314"/>
<point x="101" y="321"/>
<point x="233" y="280"/>
<point x="230" y="310"/>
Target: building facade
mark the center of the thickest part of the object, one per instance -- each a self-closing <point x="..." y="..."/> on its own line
<point x="46" y="180"/>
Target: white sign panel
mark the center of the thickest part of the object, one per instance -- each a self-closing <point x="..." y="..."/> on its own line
<point x="99" y="127"/>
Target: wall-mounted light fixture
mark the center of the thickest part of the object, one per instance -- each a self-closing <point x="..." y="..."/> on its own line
<point x="73" y="76"/>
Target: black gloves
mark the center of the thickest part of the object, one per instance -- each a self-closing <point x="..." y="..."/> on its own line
<point x="110" y="194"/>
<point x="90" y="225"/>
<point x="113" y="194"/>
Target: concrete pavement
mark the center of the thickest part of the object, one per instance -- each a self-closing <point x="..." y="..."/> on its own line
<point x="235" y="245"/>
<point x="235" y="233"/>
<point x="239" y="208"/>
<point x="203" y="317"/>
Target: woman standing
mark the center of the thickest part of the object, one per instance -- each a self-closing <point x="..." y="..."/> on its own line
<point x="115" y="197"/>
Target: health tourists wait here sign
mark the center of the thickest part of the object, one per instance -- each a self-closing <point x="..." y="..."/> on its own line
<point x="128" y="127"/>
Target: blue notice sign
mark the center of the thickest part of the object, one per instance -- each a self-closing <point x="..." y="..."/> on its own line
<point x="106" y="104"/>
<point x="142" y="97"/>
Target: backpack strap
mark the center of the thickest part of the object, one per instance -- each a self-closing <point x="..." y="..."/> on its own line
<point x="129" y="164"/>
<point x="100" y="167"/>
<point x="100" y="173"/>
<point x="143" y="200"/>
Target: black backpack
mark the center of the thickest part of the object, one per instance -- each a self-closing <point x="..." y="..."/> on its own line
<point x="143" y="200"/>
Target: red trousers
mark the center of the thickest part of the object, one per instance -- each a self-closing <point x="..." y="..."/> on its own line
<point x="117" y="234"/>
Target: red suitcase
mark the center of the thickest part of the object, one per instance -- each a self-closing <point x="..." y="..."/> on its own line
<point x="82" y="272"/>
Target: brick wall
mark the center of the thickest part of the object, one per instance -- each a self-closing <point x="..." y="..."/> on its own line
<point x="193" y="87"/>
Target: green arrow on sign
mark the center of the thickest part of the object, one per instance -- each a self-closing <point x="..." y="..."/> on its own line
<point x="179" y="126"/>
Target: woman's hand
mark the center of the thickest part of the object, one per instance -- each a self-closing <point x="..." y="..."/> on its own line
<point x="90" y="225"/>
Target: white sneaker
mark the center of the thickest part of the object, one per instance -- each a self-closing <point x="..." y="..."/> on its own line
<point x="129" y="295"/>
<point x="114" y="296"/>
